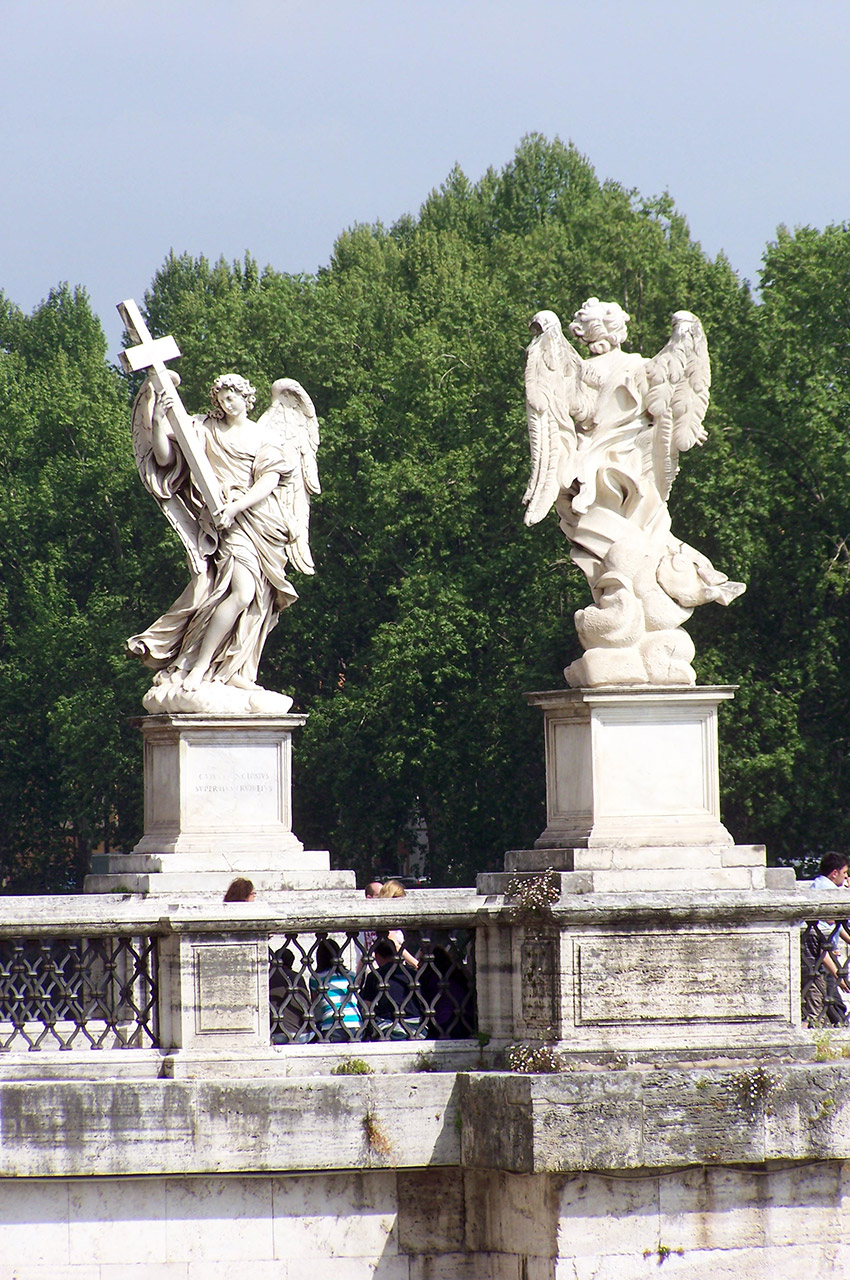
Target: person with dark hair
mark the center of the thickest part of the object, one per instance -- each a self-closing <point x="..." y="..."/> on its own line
<point x="240" y="890"/>
<point x="389" y="996"/>
<point x="335" y="1008"/>
<point x="832" y="872"/>
<point x="822" y="981"/>
<point x="367" y="938"/>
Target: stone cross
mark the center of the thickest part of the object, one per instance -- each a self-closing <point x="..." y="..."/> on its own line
<point x="151" y="354"/>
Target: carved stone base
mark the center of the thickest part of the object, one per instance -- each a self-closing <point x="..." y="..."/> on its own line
<point x="631" y="767"/>
<point x="633" y="795"/>
<point x="660" y="870"/>
<point x="711" y="974"/>
<point x="217" y="805"/>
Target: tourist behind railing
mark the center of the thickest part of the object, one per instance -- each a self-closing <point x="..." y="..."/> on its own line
<point x="240" y="890"/>
<point x="395" y="889"/>
<point x="823" y="977"/>
<point x="367" y="938"/>
<point x="390" y="1003"/>
<point x="335" y="1009"/>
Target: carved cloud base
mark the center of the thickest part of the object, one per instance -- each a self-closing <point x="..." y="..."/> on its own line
<point x="661" y="658"/>
<point x="212" y="698"/>
<point x="217" y="806"/>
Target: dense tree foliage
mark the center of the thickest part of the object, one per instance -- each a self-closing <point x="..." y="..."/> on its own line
<point x="433" y="608"/>
<point x="74" y="558"/>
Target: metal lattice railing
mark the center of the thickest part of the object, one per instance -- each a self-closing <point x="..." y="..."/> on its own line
<point x="78" y="992"/>
<point x="825" y="976"/>
<point x="370" y="985"/>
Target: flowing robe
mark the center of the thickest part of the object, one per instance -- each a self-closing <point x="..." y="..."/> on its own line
<point x="258" y="539"/>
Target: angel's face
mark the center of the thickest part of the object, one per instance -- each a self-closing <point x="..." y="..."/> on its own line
<point x="233" y="403"/>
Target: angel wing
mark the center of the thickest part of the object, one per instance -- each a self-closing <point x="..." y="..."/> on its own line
<point x="552" y="374"/>
<point x="679" y="378"/>
<point x="292" y="416"/>
<point x="170" y="486"/>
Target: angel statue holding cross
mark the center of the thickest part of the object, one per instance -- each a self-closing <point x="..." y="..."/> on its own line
<point x="606" y="433"/>
<point x="237" y="492"/>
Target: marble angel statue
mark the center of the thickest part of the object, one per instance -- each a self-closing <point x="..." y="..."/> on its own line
<point x="606" y="433"/>
<point x="206" y="648"/>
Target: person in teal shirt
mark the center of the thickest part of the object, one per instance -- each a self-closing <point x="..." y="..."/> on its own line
<point x="335" y="1008"/>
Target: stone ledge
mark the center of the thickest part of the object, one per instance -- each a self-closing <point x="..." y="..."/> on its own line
<point x="159" y="884"/>
<point x="119" y="1127"/>
<point x="655" y="1118"/>
<point x="577" y="1121"/>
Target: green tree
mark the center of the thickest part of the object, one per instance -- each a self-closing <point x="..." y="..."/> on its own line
<point x="433" y="607"/>
<point x="76" y="557"/>
<point x="791" y="770"/>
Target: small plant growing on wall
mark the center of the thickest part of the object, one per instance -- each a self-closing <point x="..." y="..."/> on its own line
<point x="533" y="896"/>
<point x="534" y="1059"/>
<point x="352" y="1067"/>
<point x="376" y="1138"/>
<point x="751" y="1090"/>
<point x="662" y="1253"/>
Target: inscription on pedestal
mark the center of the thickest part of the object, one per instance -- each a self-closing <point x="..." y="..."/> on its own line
<point x="226" y="987"/>
<point x="649" y="978"/>
<point x="213" y="782"/>
<point x="234" y="782"/>
<point x="538" y="958"/>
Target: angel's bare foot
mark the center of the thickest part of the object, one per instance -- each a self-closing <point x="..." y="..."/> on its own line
<point x="193" y="678"/>
<point x="241" y="682"/>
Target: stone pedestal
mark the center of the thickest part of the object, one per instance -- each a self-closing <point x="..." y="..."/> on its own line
<point x="217" y="805"/>
<point x="645" y="973"/>
<point x="633" y="794"/>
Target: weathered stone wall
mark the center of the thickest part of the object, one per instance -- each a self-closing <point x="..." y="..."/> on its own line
<point x="692" y="1130"/>
<point x="759" y="1223"/>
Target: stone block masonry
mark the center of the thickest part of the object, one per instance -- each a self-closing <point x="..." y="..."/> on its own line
<point x="691" y="1131"/>
<point x="704" y="1223"/>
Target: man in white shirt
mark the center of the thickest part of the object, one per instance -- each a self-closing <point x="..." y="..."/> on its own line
<point x="822" y="980"/>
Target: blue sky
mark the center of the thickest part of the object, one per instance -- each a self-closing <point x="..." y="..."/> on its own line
<point x="218" y="127"/>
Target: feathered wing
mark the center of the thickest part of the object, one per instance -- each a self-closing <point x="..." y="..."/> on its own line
<point x="170" y="486"/>
<point x="292" y="416"/>
<point x="679" y="379"/>
<point x="552" y="373"/>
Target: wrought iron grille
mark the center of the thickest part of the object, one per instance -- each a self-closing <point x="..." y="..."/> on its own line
<point x="824" y="976"/>
<point x="96" y="993"/>
<point x="373" y="986"/>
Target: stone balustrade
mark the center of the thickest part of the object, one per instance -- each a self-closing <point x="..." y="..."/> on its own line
<point x="185" y="987"/>
<point x="657" y="1059"/>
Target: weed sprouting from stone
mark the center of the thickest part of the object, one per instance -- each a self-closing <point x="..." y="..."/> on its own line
<point x="751" y="1090"/>
<point x="534" y="1059"/>
<point x="662" y="1253"/>
<point x="826" y="1108"/>
<point x="376" y="1138"/>
<point x="534" y="895"/>
<point x="827" y="1051"/>
<point x="352" y="1067"/>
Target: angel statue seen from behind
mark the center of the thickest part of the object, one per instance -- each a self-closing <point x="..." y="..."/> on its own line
<point x="606" y="434"/>
<point x="206" y="648"/>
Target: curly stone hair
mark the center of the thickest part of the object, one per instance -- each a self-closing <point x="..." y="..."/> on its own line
<point x="602" y="325"/>
<point x="231" y="382"/>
